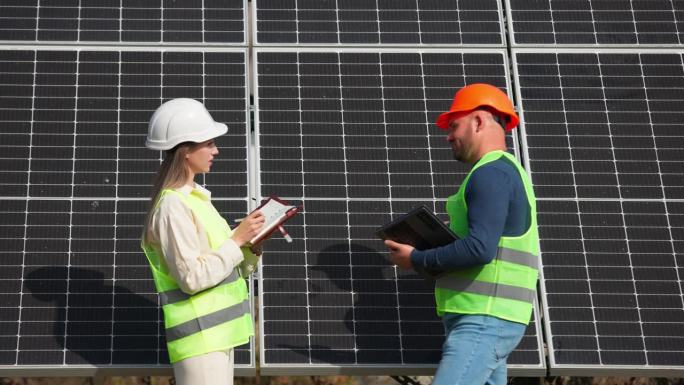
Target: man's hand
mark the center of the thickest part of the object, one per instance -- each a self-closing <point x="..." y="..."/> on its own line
<point x="400" y="254"/>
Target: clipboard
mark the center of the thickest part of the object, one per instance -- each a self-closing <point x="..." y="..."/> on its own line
<point x="276" y="211"/>
<point x="422" y="229"/>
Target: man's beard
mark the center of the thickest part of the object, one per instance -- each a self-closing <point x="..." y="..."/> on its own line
<point x="458" y="155"/>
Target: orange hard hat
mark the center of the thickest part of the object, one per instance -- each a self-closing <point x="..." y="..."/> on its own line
<point x="477" y="95"/>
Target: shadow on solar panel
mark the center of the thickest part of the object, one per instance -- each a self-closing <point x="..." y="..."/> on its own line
<point x="354" y="313"/>
<point x="83" y="324"/>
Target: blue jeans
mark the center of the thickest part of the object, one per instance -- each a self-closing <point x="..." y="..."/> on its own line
<point x="476" y="349"/>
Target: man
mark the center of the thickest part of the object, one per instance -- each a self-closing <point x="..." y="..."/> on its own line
<point x="486" y="292"/>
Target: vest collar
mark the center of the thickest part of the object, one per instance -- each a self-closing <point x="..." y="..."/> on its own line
<point x="197" y="190"/>
<point x="489" y="155"/>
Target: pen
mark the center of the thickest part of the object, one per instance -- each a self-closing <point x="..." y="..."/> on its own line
<point x="287" y="236"/>
<point x="238" y="220"/>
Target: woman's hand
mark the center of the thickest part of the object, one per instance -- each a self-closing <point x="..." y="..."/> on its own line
<point x="248" y="228"/>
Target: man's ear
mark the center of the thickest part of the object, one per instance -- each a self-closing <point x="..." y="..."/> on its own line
<point x="479" y="122"/>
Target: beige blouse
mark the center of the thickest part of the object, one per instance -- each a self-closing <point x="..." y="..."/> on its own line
<point x="183" y="242"/>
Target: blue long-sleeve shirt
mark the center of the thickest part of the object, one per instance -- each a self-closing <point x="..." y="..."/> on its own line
<point x="497" y="205"/>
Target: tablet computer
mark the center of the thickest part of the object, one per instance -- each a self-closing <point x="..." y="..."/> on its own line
<point x="420" y="228"/>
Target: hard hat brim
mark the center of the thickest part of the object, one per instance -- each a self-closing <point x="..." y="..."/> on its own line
<point x="444" y="119"/>
<point x="218" y="130"/>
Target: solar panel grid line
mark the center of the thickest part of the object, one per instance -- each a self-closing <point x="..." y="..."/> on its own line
<point x="71" y="214"/>
<point x="337" y="20"/>
<point x="593" y="21"/>
<point x="420" y="32"/>
<point x="427" y="127"/>
<point x="400" y="335"/>
<point x="346" y="184"/>
<point x="526" y="162"/>
<point x="117" y="234"/>
<point x="251" y="202"/>
<point x="377" y="18"/>
<point x="680" y="39"/>
<point x="26" y="208"/>
<point x="631" y="8"/>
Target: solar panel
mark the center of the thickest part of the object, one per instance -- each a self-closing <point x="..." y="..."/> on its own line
<point x="596" y="22"/>
<point x="76" y="288"/>
<point x="350" y="135"/>
<point x="124" y="21"/>
<point x="75" y="121"/>
<point x="381" y="22"/>
<point x="604" y="125"/>
<point x="602" y="135"/>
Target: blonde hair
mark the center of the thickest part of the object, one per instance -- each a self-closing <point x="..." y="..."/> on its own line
<point x="173" y="173"/>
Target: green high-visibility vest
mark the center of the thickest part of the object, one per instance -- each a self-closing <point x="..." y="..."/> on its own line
<point x="215" y="319"/>
<point x="505" y="287"/>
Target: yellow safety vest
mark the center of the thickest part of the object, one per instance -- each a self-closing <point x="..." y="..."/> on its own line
<point x="212" y="320"/>
<point x="506" y="286"/>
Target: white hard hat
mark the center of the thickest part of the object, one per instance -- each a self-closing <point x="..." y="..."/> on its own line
<point x="181" y="120"/>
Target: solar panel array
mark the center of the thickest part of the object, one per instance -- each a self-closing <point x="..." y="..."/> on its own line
<point x="345" y="96"/>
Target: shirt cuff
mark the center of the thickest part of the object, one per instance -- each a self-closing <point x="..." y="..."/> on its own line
<point x="230" y="252"/>
<point x="417" y="258"/>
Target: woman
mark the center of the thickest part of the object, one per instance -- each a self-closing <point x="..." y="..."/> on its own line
<point x="197" y="262"/>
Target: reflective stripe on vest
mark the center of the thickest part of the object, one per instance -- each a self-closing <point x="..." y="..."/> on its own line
<point x="518" y="257"/>
<point x="208" y="321"/>
<point x="486" y="288"/>
<point x="505" y="287"/>
<point x="215" y="319"/>
<point x="176" y="295"/>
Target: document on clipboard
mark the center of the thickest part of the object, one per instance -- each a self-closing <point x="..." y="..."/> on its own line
<point x="420" y="228"/>
<point x="276" y="211"/>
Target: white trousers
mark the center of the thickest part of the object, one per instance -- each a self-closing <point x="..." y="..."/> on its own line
<point x="214" y="368"/>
